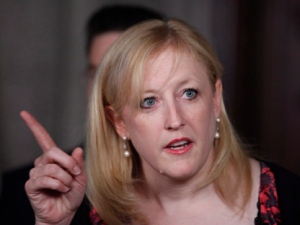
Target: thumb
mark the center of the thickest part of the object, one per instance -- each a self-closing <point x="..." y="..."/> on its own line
<point x="77" y="154"/>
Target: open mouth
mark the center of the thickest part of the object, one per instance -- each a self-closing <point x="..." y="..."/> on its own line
<point x="178" y="145"/>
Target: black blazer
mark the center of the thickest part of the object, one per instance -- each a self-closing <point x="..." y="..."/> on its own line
<point x="288" y="191"/>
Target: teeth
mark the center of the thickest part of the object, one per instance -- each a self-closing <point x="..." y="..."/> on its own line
<point x="179" y="145"/>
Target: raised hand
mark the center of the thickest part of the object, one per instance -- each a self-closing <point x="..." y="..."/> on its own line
<point x="57" y="183"/>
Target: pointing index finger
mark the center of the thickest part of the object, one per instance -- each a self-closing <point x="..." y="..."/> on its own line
<point x="41" y="135"/>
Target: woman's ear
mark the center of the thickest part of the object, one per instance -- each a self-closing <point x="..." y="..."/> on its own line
<point x="218" y="98"/>
<point x="117" y="121"/>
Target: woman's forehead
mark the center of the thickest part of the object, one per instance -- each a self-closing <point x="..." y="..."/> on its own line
<point x="170" y="67"/>
<point x="169" y="60"/>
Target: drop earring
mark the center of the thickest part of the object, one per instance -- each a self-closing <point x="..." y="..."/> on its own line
<point x="126" y="152"/>
<point x="217" y="134"/>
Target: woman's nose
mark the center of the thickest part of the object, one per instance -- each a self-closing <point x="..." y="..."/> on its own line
<point x="173" y="116"/>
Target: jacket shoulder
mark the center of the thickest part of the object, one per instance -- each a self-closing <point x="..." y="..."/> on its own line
<point x="288" y="190"/>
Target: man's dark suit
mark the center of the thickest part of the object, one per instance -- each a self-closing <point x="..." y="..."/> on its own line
<point x="15" y="207"/>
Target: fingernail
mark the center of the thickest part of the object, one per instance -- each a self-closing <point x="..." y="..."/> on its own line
<point x="76" y="170"/>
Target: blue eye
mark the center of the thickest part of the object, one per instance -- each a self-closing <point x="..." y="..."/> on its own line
<point x="190" y="93"/>
<point x="148" y="102"/>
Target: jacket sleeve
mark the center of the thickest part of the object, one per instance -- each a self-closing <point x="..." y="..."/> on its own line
<point x="82" y="215"/>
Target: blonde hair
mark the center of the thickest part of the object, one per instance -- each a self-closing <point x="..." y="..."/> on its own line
<point x="111" y="176"/>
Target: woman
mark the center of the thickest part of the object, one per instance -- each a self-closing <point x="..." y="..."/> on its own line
<point x="161" y="149"/>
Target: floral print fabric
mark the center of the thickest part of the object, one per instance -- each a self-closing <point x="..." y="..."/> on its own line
<point x="268" y="199"/>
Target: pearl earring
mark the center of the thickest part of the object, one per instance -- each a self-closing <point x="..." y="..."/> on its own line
<point x="217" y="134"/>
<point x="126" y="152"/>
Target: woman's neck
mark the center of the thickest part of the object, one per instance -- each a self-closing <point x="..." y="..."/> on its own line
<point x="164" y="200"/>
<point x="164" y="191"/>
<point x="167" y="186"/>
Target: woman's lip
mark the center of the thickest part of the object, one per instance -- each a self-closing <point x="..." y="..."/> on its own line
<point x="183" y="150"/>
<point x="177" y="140"/>
<point x="179" y="151"/>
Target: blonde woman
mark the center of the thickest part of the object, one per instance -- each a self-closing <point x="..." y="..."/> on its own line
<point x="160" y="146"/>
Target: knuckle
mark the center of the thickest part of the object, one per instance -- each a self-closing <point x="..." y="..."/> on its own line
<point x="43" y="181"/>
<point x="37" y="161"/>
<point x="32" y="173"/>
<point x="53" y="169"/>
<point x="27" y="185"/>
<point x="51" y="151"/>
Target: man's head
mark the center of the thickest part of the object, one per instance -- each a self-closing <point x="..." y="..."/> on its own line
<point x="111" y="21"/>
<point x="106" y="25"/>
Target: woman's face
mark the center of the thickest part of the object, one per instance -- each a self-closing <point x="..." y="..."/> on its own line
<point x="173" y="130"/>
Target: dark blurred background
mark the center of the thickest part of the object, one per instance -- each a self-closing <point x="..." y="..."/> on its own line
<point x="42" y="67"/>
